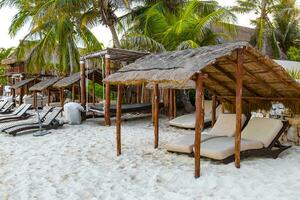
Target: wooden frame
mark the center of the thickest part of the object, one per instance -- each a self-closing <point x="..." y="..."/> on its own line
<point x="107" y="92"/>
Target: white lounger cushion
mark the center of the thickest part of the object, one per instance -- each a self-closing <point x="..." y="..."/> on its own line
<point x="226" y="125"/>
<point x="263" y="130"/>
<point x="186" y="121"/>
<point x="185" y="143"/>
<point x="220" y="148"/>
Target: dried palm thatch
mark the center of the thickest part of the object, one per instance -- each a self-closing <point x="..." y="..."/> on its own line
<point x="262" y="77"/>
<point x="70" y="80"/>
<point x="44" y="84"/>
<point x="22" y="83"/>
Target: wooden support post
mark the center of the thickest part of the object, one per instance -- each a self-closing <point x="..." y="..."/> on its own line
<point x="73" y="92"/>
<point x="82" y="88"/>
<point x="13" y="96"/>
<point x="156" y="115"/>
<point x="153" y="106"/>
<point x="49" y="97"/>
<point x="107" y="92"/>
<point x="239" y="94"/>
<point x="199" y="121"/>
<point x="118" y="118"/>
<point x="35" y="100"/>
<point x="79" y="92"/>
<point x="213" y="111"/>
<point x="93" y="82"/>
<point x="174" y="104"/>
<point x="62" y="97"/>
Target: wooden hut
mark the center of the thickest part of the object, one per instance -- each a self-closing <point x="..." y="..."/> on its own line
<point x="73" y="83"/>
<point x="111" y="55"/>
<point x="234" y="72"/>
<point x="23" y="87"/>
<point x="42" y="86"/>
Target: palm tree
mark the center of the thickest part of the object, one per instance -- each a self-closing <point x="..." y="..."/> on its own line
<point x="55" y="29"/>
<point x="156" y="27"/>
<point x="264" y="9"/>
<point x="286" y="21"/>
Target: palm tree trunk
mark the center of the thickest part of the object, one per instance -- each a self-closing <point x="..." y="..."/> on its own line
<point x="71" y="59"/>
<point x="115" y="37"/>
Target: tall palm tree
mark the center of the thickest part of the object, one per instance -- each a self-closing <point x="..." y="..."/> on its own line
<point x="54" y="28"/>
<point x="264" y="9"/>
<point x="156" y="27"/>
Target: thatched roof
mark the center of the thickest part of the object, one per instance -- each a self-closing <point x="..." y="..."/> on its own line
<point x="263" y="77"/>
<point x="44" y="84"/>
<point x="122" y="55"/>
<point x="22" y="83"/>
<point x="70" y="80"/>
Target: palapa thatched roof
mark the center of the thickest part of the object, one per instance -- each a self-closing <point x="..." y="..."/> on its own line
<point x="44" y="84"/>
<point x="22" y="83"/>
<point x="122" y="55"/>
<point x="262" y="76"/>
<point x="70" y="80"/>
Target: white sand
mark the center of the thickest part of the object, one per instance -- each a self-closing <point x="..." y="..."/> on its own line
<point x="80" y="162"/>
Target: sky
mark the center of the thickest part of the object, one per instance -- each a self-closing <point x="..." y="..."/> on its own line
<point x="102" y="33"/>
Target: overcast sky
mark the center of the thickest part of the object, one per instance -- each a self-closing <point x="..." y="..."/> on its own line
<point x="102" y="33"/>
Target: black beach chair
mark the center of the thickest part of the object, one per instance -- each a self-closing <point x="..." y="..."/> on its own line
<point x="34" y="120"/>
<point x="49" y="122"/>
<point x="7" y="107"/>
<point x="21" y="115"/>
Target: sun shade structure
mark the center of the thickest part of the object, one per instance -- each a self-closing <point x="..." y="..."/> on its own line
<point x="22" y="83"/>
<point x="235" y="72"/>
<point x="122" y="55"/>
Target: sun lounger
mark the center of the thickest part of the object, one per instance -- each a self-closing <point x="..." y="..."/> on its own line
<point x="15" y="112"/>
<point x="19" y="116"/>
<point x="188" y="121"/>
<point x="33" y="120"/>
<point x="260" y="137"/>
<point x="50" y="122"/>
<point x="2" y="104"/>
<point x="224" y="126"/>
<point x="7" y="107"/>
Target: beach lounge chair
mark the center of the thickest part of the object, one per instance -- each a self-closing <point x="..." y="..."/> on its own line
<point x="33" y="120"/>
<point x="21" y="114"/>
<point x="7" y="107"/>
<point x="15" y="112"/>
<point x="2" y="104"/>
<point x="50" y="122"/>
<point x="260" y="137"/>
<point x="224" y="126"/>
<point x="188" y="121"/>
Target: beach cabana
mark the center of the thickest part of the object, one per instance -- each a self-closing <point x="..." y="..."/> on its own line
<point x="23" y="86"/>
<point x="74" y="80"/>
<point x="110" y="55"/>
<point x="235" y="73"/>
<point x="42" y="86"/>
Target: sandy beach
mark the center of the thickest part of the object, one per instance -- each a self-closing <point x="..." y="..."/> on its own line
<point x="80" y="162"/>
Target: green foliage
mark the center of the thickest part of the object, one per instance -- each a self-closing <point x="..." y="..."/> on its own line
<point x="294" y="73"/>
<point x="157" y="27"/>
<point x="294" y="54"/>
<point x="4" y="53"/>
<point x="99" y="91"/>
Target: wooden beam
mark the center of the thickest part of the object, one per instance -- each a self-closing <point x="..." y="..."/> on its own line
<point x="238" y="111"/>
<point x="49" y="96"/>
<point x="82" y="88"/>
<point x="221" y="84"/>
<point x="254" y="75"/>
<point x="174" y="104"/>
<point x="213" y="111"/>
<point x="265" y="98"/>
<point x="156" y="115"/>
<point x="93" y="89"/>
<point x="62" y="97"/>
<point x="73" y="92"/>
<point x="231" y="77"/>
<point x="107" y="92"/>
<point x="118" y="119"/>
<point x="21" y="95"/>
<point x="199" y="121"/>
<point x="35" y="100"/>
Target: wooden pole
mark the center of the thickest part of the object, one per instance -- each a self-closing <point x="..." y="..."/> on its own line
<point x="79" y="92"/>
<point x="156" y="115"/>
<point x="82" y="88"/>
<point x="199" y="121"/>
<point x="49" y="97"/>
<point x="118" y="118"/>
<point x="14" y="96"/>
<point x="174" y="104"/>
<point x="35" y="100"/>
<point x="107" y="92"/>
<point x="93" y="81"/>
<point x="73" y="92"/>
<point x="61" y="97"/>
<point x="213" y="111"/>
<point x="239" y="94"/>
<point x="21" y="95"/>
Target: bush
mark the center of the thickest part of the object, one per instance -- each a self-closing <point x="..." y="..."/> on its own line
<point x="293" y="54"/>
